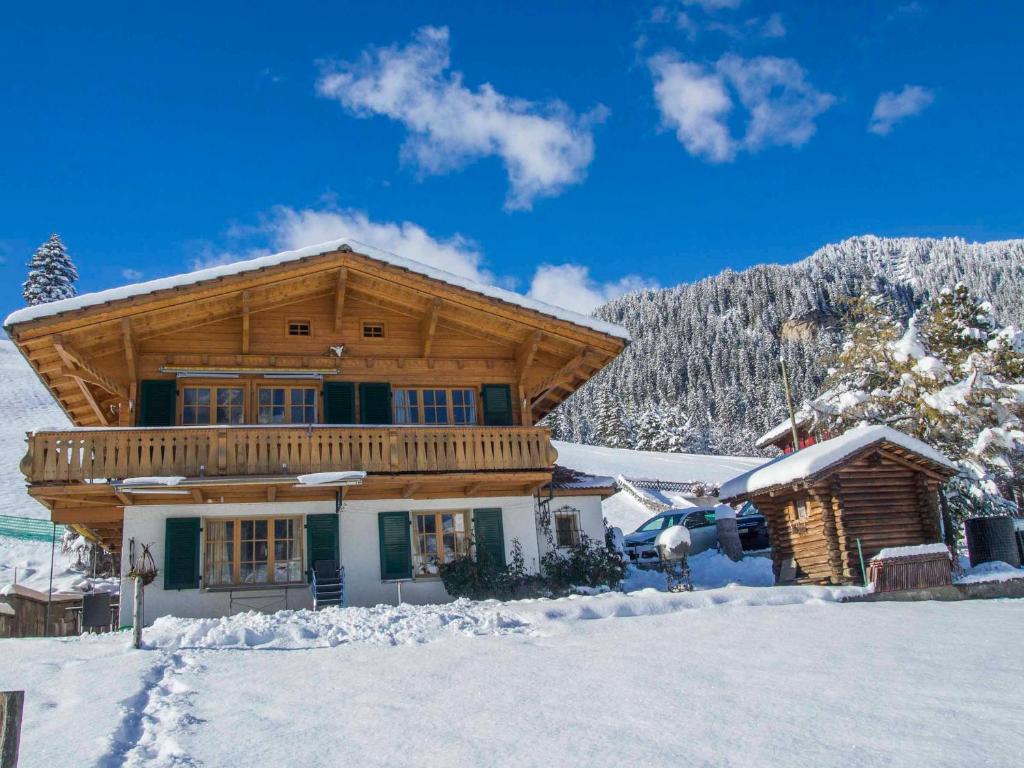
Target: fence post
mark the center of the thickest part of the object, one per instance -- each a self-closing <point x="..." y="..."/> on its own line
<point x="11" y="705"/>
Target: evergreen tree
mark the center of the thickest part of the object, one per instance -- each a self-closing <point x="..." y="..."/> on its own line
<point x="956" y="326"/>
<point x="51" y="274"/>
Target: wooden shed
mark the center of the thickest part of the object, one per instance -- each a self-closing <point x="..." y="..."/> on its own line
<point x="872" y="485"/>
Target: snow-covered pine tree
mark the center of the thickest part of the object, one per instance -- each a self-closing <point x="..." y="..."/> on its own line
<point x="51" y="274"/>
<point x="956" y="326"/>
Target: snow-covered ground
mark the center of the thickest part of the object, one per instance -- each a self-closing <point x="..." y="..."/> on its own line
<point x="728" y="677"/>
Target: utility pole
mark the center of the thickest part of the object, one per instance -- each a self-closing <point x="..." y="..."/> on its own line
<point x="789" y="404"/>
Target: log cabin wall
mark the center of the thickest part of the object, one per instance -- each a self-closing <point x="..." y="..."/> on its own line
<point x="884" y="503"/>
<point x="804" y="539"/>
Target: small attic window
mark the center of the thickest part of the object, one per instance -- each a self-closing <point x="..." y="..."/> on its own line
<point x="373" y="330"/>
<point x="299" y="328"/>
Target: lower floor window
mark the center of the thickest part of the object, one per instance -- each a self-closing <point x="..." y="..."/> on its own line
<point x="567" y="527"/>
<point x="439" y="537"/>
<point x="262" y="550"/>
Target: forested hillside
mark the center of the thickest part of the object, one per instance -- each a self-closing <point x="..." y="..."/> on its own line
<point x="702" y="373"/>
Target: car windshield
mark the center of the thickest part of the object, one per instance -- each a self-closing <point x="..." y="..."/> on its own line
<point x="654" y="524"/>
<point x="748" y="510"/>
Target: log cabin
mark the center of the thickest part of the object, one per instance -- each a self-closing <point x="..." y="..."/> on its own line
<point x="871" y="485"/>
<point x="335" y="403"/>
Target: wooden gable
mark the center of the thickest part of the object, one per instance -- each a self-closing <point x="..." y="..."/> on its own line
<point x="432" y="332"/>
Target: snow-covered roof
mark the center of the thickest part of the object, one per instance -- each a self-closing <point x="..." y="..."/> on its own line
<point x="671" y="467"/>
<point x="781" y="429"/>
<point x="811" y="461"/>
<point x="224" y="270"/>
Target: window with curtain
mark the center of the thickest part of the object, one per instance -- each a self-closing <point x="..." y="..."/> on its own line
<point x="438" y="538"/>
<point x="212" y="405"/>
<point x="287" y="405"/>
<point x="423" y="405"/>
<point x="252" y="551"/>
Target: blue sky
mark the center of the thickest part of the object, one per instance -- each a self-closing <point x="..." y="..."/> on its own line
<point x="573" y="150"/>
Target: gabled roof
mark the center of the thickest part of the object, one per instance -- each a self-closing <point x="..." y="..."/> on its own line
<point x="251" y="265"/>
<point x="822" y="458"/>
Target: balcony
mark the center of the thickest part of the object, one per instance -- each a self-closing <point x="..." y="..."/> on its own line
<point x="105" y="455"/>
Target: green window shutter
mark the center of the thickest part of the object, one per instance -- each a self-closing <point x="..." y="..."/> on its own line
<point x="339" y="402"/>
<point x="157" y="403"/>
<point x="375" y="403"/>
<point x="489" y="535"/>
<point x="395" y="545"/>
<point x="322" y="538"/>
<point x="181" y="553"/>
<point x="497" y="405"/>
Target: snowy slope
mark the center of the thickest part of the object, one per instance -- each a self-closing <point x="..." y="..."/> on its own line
<point x="27" y="406"/>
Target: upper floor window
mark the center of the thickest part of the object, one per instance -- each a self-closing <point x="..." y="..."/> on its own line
<point x="212" y="405"/>
<point x="287" y="405"/>
<point x="434" y="406"/>
<point x="373" y="330"/>
<point x="299" y="328"/>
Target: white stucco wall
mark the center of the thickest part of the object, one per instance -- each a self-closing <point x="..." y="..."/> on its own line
<point x="360" y="553"/>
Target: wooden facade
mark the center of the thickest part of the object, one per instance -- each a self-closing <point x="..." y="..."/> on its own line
<point x="480" y="371"/>
<point x="882" y="496"/>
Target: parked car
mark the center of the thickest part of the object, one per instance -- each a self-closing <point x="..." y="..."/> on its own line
<point x="639" y="545"/>
<point x="753" y="528"/>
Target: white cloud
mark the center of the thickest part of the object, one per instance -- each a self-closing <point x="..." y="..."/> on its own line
<point x="893" y="107"/>
<point x="290" y="228"/>
<point x="695" y="103"/>
<point x="545" y="147"/>
<point x="131" y="274"/>
<point x="572" y="287"/>
<point x="772" y="27"/>
<point x="696" y="100"/>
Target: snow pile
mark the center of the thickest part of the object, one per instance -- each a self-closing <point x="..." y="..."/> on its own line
<point x="329" y="478"/>
<point x="993" y="571"/>
<point x="263" y="262"/>
<point x="675" y="539"/>
<point x="155" y="480"/>
<point x="819" y="457"/>
<point x="288" y="630"/>
<point x="919" y="549"/>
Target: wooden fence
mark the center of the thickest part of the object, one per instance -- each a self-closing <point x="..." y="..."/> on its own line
<point x="108" y="454"/>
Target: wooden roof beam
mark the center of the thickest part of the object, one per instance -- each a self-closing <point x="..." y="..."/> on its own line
<point x="246" y="299"/>
<point x="340" y="287"/>
<point x="563" y="374"/>
<point x="87" y="394"/>
<point x="76" y="362"/>
<point x="131" y="354"/>
<point x="525" y="354"/>
<point x="428" y="325"/>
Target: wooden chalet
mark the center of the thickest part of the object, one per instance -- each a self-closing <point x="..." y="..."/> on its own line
<point x="871" y="486"/>
<point x="224" y="387"/>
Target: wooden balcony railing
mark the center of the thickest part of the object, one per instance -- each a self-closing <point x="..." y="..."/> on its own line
<point x="100" y="455"/>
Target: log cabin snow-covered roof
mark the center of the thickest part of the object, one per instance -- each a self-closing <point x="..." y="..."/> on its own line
<point x="818" y="458"/>
<point x="250" y="265"/>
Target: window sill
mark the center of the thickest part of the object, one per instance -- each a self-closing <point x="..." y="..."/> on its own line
<point x="255" y="587"/>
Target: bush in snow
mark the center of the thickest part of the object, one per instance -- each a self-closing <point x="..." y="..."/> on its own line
<point x="588" y="564"/>
<point x="481" y="578"/>
<point x="51" y="274"/>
